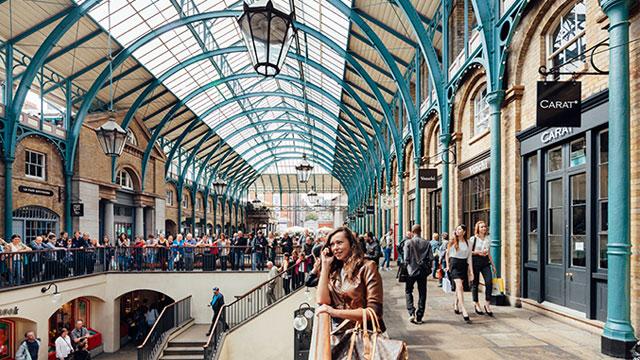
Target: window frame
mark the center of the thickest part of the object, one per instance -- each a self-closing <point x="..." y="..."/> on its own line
<point x="169" y="197"/>
<point x="480" y="108"/>
<point x="580" y="34"/>
<point x="119" y="180"/>
<point x="28" y="164"/>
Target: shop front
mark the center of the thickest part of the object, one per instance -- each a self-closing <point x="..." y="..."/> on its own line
<point x="564" y="213"/>
<point x="475" y="184"/>
<point x="66" y="317"/>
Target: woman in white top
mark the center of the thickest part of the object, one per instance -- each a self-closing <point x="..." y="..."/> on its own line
<point x="63" y="345"/>
<point x="481" y="264"/>
<point x="459" y="267"/>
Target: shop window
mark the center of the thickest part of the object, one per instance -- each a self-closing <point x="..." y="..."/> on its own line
<point x="475" y="199"/>
<point x="131" y="138"/>
<point x="555" y="220"/>
<point x="7" y="339"/>
<point x="170" y="197"/>
<point x="568" y="41"/>
<point x="124" y="228"/>
<point x="603" y="198"/>
<point x="32" y="221"/>
<point x="532" y="208"/>
<point x="435" y="210"/>
<point x="480" y="112"/>
<point x="123" y="178"/>
<point x="35" y="165"/>
<point x="412" y="212"/>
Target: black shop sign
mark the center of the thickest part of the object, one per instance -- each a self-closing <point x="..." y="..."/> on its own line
<point x="77" y="209"/>
<point x="34" y="191"/>
<point x="428" y="178"/>
<point x="559" y="104"/>
<point x="370" y="210"/>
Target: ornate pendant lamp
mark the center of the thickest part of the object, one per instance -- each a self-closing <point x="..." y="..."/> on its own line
<point x="219" y="186"/>
<point x="304" y="170"/>
<point x="267" y="31"/>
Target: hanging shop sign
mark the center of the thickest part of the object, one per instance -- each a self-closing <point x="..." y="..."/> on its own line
<point x="370" y="210"/>
<point x="559" y="104"/>
<point x="35" y="191"/>
<point x="386" y="202"/>
<point x="77" y="209"/>
<point x="428" y="178"/>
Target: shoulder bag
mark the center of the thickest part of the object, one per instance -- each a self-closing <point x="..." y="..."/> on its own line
<point x="360" y="343"/>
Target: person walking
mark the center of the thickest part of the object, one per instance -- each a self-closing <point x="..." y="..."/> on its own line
<point x="63" y="345"/>
<point x="435" y="246"/>
<point x="216" y="303"/>
<point x="29" y="347"/>
<point x="271" y="286"/>
<point x="387" y="248"/>
<point x="460" y="267"/>
<point x="442" y="253"/>
<point x="372" y="248"/>
<point x="418" y="257"/>
<point x="482" y="264"/>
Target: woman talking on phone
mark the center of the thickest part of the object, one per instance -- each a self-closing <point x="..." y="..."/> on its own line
<point x="348" y="282"/>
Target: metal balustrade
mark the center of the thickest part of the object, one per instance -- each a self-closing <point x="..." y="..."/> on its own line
<point x="172" y="316"/>
<point x="41" y="266"/>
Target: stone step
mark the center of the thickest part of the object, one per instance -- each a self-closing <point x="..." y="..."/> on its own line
<point x="174" y="343"/>
<point x="181" y="357"/>
<point x="184" y="350"/>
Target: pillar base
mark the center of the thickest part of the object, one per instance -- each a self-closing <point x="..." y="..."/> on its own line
<point x="616" y="348"/>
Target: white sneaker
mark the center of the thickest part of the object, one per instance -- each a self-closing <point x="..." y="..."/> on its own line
<point x="412" y="318"/>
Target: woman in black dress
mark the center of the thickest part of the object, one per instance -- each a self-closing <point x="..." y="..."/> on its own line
<point x="460" y="267"/>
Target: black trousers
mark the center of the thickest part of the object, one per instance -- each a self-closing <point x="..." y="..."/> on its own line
<point x="421" y="281"/>
<point x="481" y="265"/>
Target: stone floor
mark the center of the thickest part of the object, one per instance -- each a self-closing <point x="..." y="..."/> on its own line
<point x="512" y="334"/>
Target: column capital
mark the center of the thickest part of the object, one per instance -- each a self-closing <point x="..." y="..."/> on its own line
<point x="495" y="97"/>
<point x="607" y="5"/>
<point x="445" y="139"/>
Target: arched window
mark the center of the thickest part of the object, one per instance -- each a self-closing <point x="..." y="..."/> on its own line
<point x="568" y="40"/>
<point x="131" y="138"/>
<point x="170" y="197"/>
<point x="480" y="112"/>
<point x="123" y="178"/>
<point x="185" y="201"/>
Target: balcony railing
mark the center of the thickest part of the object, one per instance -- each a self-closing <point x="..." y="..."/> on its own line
<point x="39" y="266"/>
<point x="172" y="316"/>
<point x="250" y="305"/>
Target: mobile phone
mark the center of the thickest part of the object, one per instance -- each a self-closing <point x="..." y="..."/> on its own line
<point x="327" y="246"/>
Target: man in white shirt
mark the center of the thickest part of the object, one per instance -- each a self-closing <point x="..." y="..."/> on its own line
<point x="271" y="287"/>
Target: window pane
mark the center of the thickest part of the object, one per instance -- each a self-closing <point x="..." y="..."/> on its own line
<point x="555" y="159"/>
<point x="556" y="222"/>
<point x="578" y="152"/>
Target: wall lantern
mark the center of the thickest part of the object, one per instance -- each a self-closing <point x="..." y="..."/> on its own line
<point x="267" y="31"/>
<point x="304" y="170"/>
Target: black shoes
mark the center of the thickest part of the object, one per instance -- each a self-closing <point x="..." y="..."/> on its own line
<point x="479" y="312"/>
<point x="466" y="319"/>
<point x="490" y="313"/>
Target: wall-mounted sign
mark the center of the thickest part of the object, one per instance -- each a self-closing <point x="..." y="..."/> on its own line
<point x="35" y="191"/>
<point x="428" y="178"/>
<point x="555" y="134"/>
<point x="370" y="210"/>
<point x="9" y="311"/>
<point x="386" y="202"/>
<point x="77" y="209"/>
<point x="559" y="104"/>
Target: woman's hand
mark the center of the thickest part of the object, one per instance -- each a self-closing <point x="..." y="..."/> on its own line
<point x="326" y="309"/>
<point x="471" y="276"/>
<point x="326" y="259"/>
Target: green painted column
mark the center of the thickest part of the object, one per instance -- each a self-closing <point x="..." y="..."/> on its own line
<point x="445" y="140"/>
<point x="194" y="200"/>
<point x="205" y="206"/>
<point x="494" y="99"/>
<point x="400" y="206"/>
<point x="215" y="213"/>
<point x="68" y="223"/>
<point x="418" y="207"/>
<point x="224" y="204"/>
<point x="379" y="212"/>
<point x="618" y="335"/>
<point x="8" y="197"/>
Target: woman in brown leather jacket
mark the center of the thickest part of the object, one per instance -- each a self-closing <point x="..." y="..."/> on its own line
<point x="348" y="282"/>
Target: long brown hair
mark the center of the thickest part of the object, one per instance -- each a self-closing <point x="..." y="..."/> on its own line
<point x="354" y="262"/>
<point x="454" y="239"/>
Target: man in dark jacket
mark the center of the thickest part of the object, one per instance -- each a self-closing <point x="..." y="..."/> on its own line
<point x="286" y="243"/>
<point x="217" y="301"/>
<point x="372" y="248"/>
<point x="240" y="244"/>
<point x="418" y="257"/>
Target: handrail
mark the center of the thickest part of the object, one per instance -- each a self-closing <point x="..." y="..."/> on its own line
<point x="247" y="306"/>
<point x="172" y="316"/>
<point x="321" y="338"/>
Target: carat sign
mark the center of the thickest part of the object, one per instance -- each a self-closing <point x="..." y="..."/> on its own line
<point x="559" y="104"/>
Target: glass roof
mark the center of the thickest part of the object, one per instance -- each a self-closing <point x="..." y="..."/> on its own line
<point x="131" y="19"/>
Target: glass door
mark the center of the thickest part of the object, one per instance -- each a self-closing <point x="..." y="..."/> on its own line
<point x="555" y="265"/>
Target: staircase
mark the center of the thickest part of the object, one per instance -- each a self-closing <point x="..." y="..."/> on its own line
<point x="186" y="344"/>
<point x="183" y="350"/>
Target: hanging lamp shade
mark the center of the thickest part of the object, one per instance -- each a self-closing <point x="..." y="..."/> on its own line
<point x="304" y="170"/>
<point x="111" y="137"/>
<point x="219" y="186"/>
<point x="267" y="31"/>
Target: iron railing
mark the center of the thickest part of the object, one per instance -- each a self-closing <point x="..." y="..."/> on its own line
<point x="251" y="304"/>
<point x="41" y="266"/>
<point x="171" y="317"/>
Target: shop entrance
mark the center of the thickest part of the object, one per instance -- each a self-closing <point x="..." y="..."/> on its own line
<point x="134" y="307"/>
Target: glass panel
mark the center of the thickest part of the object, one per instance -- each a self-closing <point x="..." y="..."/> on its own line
<point x="554" y="159"/>
<point x="578" y="203"/>
<point x="578" y="152"/>
<point x="533" y="235"/>
<point x="556" y="222"/>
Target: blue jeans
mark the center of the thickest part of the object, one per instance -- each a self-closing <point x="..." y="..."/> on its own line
<point x="387" y="257"/>
<point x="16" y="272"/>
<point x="238" y="260"/>
<point x="257" y="261"/>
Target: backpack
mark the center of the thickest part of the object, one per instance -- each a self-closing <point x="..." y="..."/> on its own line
<point x="427" y="259"/>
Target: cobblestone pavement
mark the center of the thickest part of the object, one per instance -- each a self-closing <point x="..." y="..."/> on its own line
<point x="512" y="334"/>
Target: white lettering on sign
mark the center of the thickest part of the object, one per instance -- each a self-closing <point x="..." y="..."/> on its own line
<point x="479" y="167"/>
<point x="555" y="134"/>
<point x="548" y="104"/>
